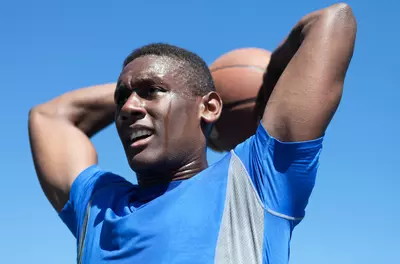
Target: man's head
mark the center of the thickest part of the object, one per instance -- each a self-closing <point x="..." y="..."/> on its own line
<point x="166" y="104"/>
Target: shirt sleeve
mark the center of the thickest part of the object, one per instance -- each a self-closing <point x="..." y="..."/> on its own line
<point x="82" y="188"/>
<point x="283" y="173"/>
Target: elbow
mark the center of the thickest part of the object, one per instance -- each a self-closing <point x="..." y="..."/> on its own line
<point x="37" y="113"/>
<point x="44" y="117"/>
<point x="35" y="118"/>
<point x="43" y="110"/>
<point x="49" y="109"/>
<point x="340" y="26"/>
<point x="342" y="17"/>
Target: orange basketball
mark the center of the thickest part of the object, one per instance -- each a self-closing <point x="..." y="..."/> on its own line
<point x="238" y="77"/>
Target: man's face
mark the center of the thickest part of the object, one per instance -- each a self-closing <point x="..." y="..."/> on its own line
<point x="157" y="118"/>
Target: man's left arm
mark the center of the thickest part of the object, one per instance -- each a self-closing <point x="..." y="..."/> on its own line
<point x="306" y="76"/>
<point x="309" y="68"/>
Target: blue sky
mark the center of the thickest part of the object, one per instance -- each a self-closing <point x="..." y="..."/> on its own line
<point x="51" y="47"/>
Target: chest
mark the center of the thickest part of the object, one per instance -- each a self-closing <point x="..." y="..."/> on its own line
<point x="174" y="227"/>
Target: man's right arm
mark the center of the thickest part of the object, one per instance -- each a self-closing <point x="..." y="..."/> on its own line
<point x="59" y="132"/>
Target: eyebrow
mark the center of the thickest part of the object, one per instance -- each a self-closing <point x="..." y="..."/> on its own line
<point x="144" y="79"/>
<point x="148" y="79"/>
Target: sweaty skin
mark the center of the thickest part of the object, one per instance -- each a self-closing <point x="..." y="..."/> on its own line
<point x="245" y="205"/>
<point x="302" y="90"/>
<point x="304" y="81"/>
<point x="149" y="95"/>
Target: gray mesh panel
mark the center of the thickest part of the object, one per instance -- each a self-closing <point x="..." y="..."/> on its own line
<point x="240" y="238"/>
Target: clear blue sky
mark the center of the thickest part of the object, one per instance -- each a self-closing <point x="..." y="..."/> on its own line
<point x="51" y="47"/>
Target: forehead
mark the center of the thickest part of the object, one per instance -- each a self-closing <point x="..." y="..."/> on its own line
<point x="150" y="67"/>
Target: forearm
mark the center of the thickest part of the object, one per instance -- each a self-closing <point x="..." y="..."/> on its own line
<point x="89" y="109"/>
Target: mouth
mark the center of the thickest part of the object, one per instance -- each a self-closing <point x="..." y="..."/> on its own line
<point x="140" y="137"/>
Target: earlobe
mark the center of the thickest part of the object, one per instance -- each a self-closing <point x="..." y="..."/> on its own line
<point x="211" y="107"/>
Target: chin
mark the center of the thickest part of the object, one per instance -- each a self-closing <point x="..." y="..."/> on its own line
<point x="145" y="160"/>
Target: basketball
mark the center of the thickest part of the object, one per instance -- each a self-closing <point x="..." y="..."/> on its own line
<point x="238" y="77"/>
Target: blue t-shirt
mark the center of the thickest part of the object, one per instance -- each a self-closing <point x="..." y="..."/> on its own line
<point x="241" y="209"/>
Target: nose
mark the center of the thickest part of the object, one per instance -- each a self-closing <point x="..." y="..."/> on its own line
<point x="133" y="109"/>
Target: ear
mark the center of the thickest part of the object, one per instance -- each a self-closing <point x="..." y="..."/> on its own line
<point x="210" y="107"/>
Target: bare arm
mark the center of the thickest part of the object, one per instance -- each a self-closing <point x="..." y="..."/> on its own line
<point x="306" y="75"/>
<point x="59" y="132"/>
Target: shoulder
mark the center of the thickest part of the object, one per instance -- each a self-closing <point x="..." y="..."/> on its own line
<point x="92" y="181"/>
<point x="265" y="146"/>
<point x="94" y="177"/>
<point x="275" y="167"/>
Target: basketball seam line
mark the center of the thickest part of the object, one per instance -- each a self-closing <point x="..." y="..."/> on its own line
<point x="240" y="102"/>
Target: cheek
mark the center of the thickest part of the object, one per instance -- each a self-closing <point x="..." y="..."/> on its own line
<point x="175" y="118"/>
<point x="183" y="121"/>
<point x="124" y="143"/>
<point x="117" y="126"/>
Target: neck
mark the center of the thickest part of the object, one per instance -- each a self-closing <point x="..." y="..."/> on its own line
<point x="183" y="172"/>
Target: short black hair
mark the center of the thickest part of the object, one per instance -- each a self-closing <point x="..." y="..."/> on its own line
<point x="197" y="74"/>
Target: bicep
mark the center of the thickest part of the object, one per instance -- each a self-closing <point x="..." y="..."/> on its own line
<point x="309" y="90"/>
<point x="60" y="152"/>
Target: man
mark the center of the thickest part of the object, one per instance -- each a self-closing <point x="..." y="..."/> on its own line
<point x="240" y="210"/>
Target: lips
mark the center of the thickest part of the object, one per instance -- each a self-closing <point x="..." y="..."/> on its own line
<point x="139" y="136"/>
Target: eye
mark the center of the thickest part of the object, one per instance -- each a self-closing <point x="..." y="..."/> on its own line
<point x="121" y="96"/>
<point x="153" y="90"/>
<point x="150" y="92"/>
